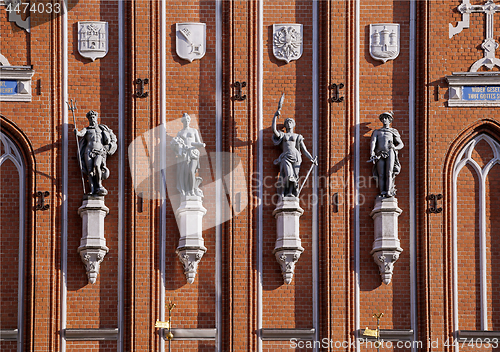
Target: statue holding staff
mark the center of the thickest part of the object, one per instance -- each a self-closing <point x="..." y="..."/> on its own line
<point x="384" y="147"/>
<point x="290" y="159"/>
<point x="97" y="143"/>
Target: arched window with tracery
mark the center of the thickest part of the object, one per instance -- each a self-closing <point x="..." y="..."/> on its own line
<point x="12" y="244"/>
<point x="476" y="236"/>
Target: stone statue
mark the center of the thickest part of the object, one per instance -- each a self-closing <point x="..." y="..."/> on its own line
<point x="290" y="159"/>
<point x="384" y="147"/>
<point x="186" y="145"/>
<point x="97" y="143"/>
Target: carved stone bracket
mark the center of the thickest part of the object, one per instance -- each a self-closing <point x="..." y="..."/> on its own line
<point x="386" y="247"/>
<point x="92" y="258"/>
<point x="190" y="258"/>
<point x="288" y="244"/>
<point x="191" y="247"/>
<point x="385" y="261"/>
<point x="287" y="258"/>
<point x="93" y="244"/>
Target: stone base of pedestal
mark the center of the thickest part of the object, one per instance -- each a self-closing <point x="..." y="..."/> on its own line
<point x="386" y="246"/>
<point x="190" y="258"/>
<point x="287" y="258"/>
<point x="93" y="243"/>
<point x="191" y="247"/>
<point x="288" y="246"/>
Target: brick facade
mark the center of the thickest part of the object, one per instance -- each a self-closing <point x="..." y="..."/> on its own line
<point x="441" y="284"/>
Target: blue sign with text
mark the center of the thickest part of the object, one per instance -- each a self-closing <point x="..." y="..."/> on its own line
<point x="8" y="87"/>
<point x="488" y="93"/>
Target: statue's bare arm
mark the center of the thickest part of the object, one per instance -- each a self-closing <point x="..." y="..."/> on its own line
<point x="275" y="131"/>
<point x="399" y="142"/>
<point x="197" y="141"/>
<point x="373" y="143"/>
<point x="306" y="152"/>
<point x="80" y="133"/>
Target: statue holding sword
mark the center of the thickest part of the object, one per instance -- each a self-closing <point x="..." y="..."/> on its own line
<point x="292" y="145"/>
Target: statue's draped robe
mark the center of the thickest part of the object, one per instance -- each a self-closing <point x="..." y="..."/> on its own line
<point x="188" y="162"/>
<point x="289" y="161"/>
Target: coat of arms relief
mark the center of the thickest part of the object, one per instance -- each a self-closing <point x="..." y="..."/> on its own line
<point x="384" y="41"/>
<point x="287" y="41"/>
<point x="93" y="39"/>
<point x="191" y="40"/>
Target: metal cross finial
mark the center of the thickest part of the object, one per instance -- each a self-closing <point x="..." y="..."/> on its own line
<point x="489" y="44"/>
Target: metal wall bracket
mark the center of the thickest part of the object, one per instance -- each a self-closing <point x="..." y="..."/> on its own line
<point x="41" y="201"/>
<point x="239" y="87"/>
<point x="433" y="206"/>
<point x="140" y="93"/>
<point x="336" y="98"/>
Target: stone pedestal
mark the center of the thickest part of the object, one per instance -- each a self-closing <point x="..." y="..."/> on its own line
<point x="93" y="244"/>
<point x="288" y="245"/>
<point x="386" y="247"/>
<point x="191" y="247"/>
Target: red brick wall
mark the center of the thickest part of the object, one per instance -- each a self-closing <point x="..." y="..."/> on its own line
<point x="441" y="129"/>
<point x="294" y="301"/>
<point x="9" y="244"/>
<point x="441" y="133"/>
<point x="384" y="87"/>
<point x="492" y="242"/>
<point x="468" y="266"/>
<point x="191" y="89"/>
<point x="94" y="86"/>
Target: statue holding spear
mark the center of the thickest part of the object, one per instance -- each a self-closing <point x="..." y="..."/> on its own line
<point x="97" y="144"/>
<point x="292" y="145"/>
<point x="72" y="108"/>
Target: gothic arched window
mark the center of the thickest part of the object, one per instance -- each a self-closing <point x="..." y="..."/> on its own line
<point x="12" y="244"/>
<point x="476" y="236"/>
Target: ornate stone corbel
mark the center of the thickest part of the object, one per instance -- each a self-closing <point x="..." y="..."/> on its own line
<point x="385" y="261"/>
<point x="287" y="260"/>
<point x="190" y="258"/>
<point x="92" y="258"/>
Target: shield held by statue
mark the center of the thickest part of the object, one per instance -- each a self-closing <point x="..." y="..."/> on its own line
<point x="191" y="40"/>
<point x="384" y="41"/>
<point x="93" y="39"/>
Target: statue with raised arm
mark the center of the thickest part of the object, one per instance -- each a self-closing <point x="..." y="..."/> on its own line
<point x="384" y="147"/>
<point x="97" y="143"/>
<point x="292" y="145"/>
<point x="185" y="146"/>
